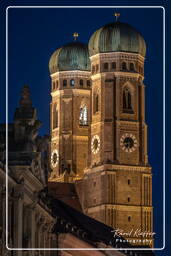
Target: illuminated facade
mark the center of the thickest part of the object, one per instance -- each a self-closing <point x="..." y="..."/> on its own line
<point x="70" y="111"/>
<point x="116" y="187"/>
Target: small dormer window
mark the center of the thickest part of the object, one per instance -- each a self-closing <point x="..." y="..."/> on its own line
<point x="72" y="82"/>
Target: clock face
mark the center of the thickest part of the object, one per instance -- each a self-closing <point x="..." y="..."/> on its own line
<point x="54" y="158"/>
<point x="95" y="144"/>
<point x="128" y="142"/>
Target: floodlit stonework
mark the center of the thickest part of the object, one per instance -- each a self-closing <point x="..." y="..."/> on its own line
<point x="88" y="184"/>
<point x="108" y="161"/>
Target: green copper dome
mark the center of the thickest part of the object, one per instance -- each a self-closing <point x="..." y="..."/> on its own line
<point x="117" y="37"/>
<point x="73" y="56"/>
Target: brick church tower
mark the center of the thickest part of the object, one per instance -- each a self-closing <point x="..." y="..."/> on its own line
<point x="117" y="185"/>
<point x="70" y="111"/>
<point x="98" y="129"/>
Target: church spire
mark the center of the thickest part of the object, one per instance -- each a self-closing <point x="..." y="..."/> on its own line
<point x="25" y="100"/>
<point x="25" y="111"/>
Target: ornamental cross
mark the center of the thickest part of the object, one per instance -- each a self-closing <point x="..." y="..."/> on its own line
<point x="117" y="15"/>
<point x="75" y="35"/>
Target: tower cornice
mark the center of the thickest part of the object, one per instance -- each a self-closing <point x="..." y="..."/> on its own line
<point x="118" y="74"/>
<point x="112" y="55"/>
<point x="108" y="168"/>
<point x="76" y="73"/>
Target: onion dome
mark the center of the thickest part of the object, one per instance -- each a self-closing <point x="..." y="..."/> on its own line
<point x="72" y="56"/>
<point x="117" y="37"/>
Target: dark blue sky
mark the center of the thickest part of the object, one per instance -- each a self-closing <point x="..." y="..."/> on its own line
<point x="35" y="33"/>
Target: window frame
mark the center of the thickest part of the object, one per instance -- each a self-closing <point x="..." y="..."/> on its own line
<point x="65" y="82"/>
<point x="105" y="66"/>
<point x="83" y="115"/>
<point x="72" y="82"/>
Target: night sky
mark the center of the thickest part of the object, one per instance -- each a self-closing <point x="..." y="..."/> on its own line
<point x="34" y="34"/>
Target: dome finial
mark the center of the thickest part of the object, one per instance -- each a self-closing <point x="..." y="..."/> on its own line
<point x="75" y="35"/>
<point x="117" y="15"/>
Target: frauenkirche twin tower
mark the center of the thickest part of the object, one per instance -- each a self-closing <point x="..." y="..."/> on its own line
<point x="98" y="129"/>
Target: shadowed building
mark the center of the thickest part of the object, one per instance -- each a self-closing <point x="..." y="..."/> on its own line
<point x="36" y="218"/>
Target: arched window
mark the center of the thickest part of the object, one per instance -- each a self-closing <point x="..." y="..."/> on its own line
<point x="113" y="65"/>
<point x="72" y="82"/>
<point x="83" y="120"/>
<point x="81" y="82"/>
<point x="64" y="82"/>
<point x="124" y="66"/>
<point x="129" y="218"/>
<point x="127" y="104"/>
<point x="55" y="117"/>
<point x="106" y="66"/>
<point x="132" y="67"/>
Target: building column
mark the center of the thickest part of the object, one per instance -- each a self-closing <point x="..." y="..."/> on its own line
<point x="18" y="220"/>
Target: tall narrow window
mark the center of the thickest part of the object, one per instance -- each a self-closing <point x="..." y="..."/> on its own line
<point x="81" y="82"/>
<point x="64" y="82"/>
<point x="132" y="67"/>
<point x="72" y="82"/>
<point x="97" y="68"/>
<point x="88" y="83"/>
<point x="113" y="65"/>
<point x="124" y="67"/>
<point x="83" y="120"/>
<point x="127" y="104"/>
<point x="106" y="66"/>
<point x="55" y="117"/>
<point x="97" y="103"/>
